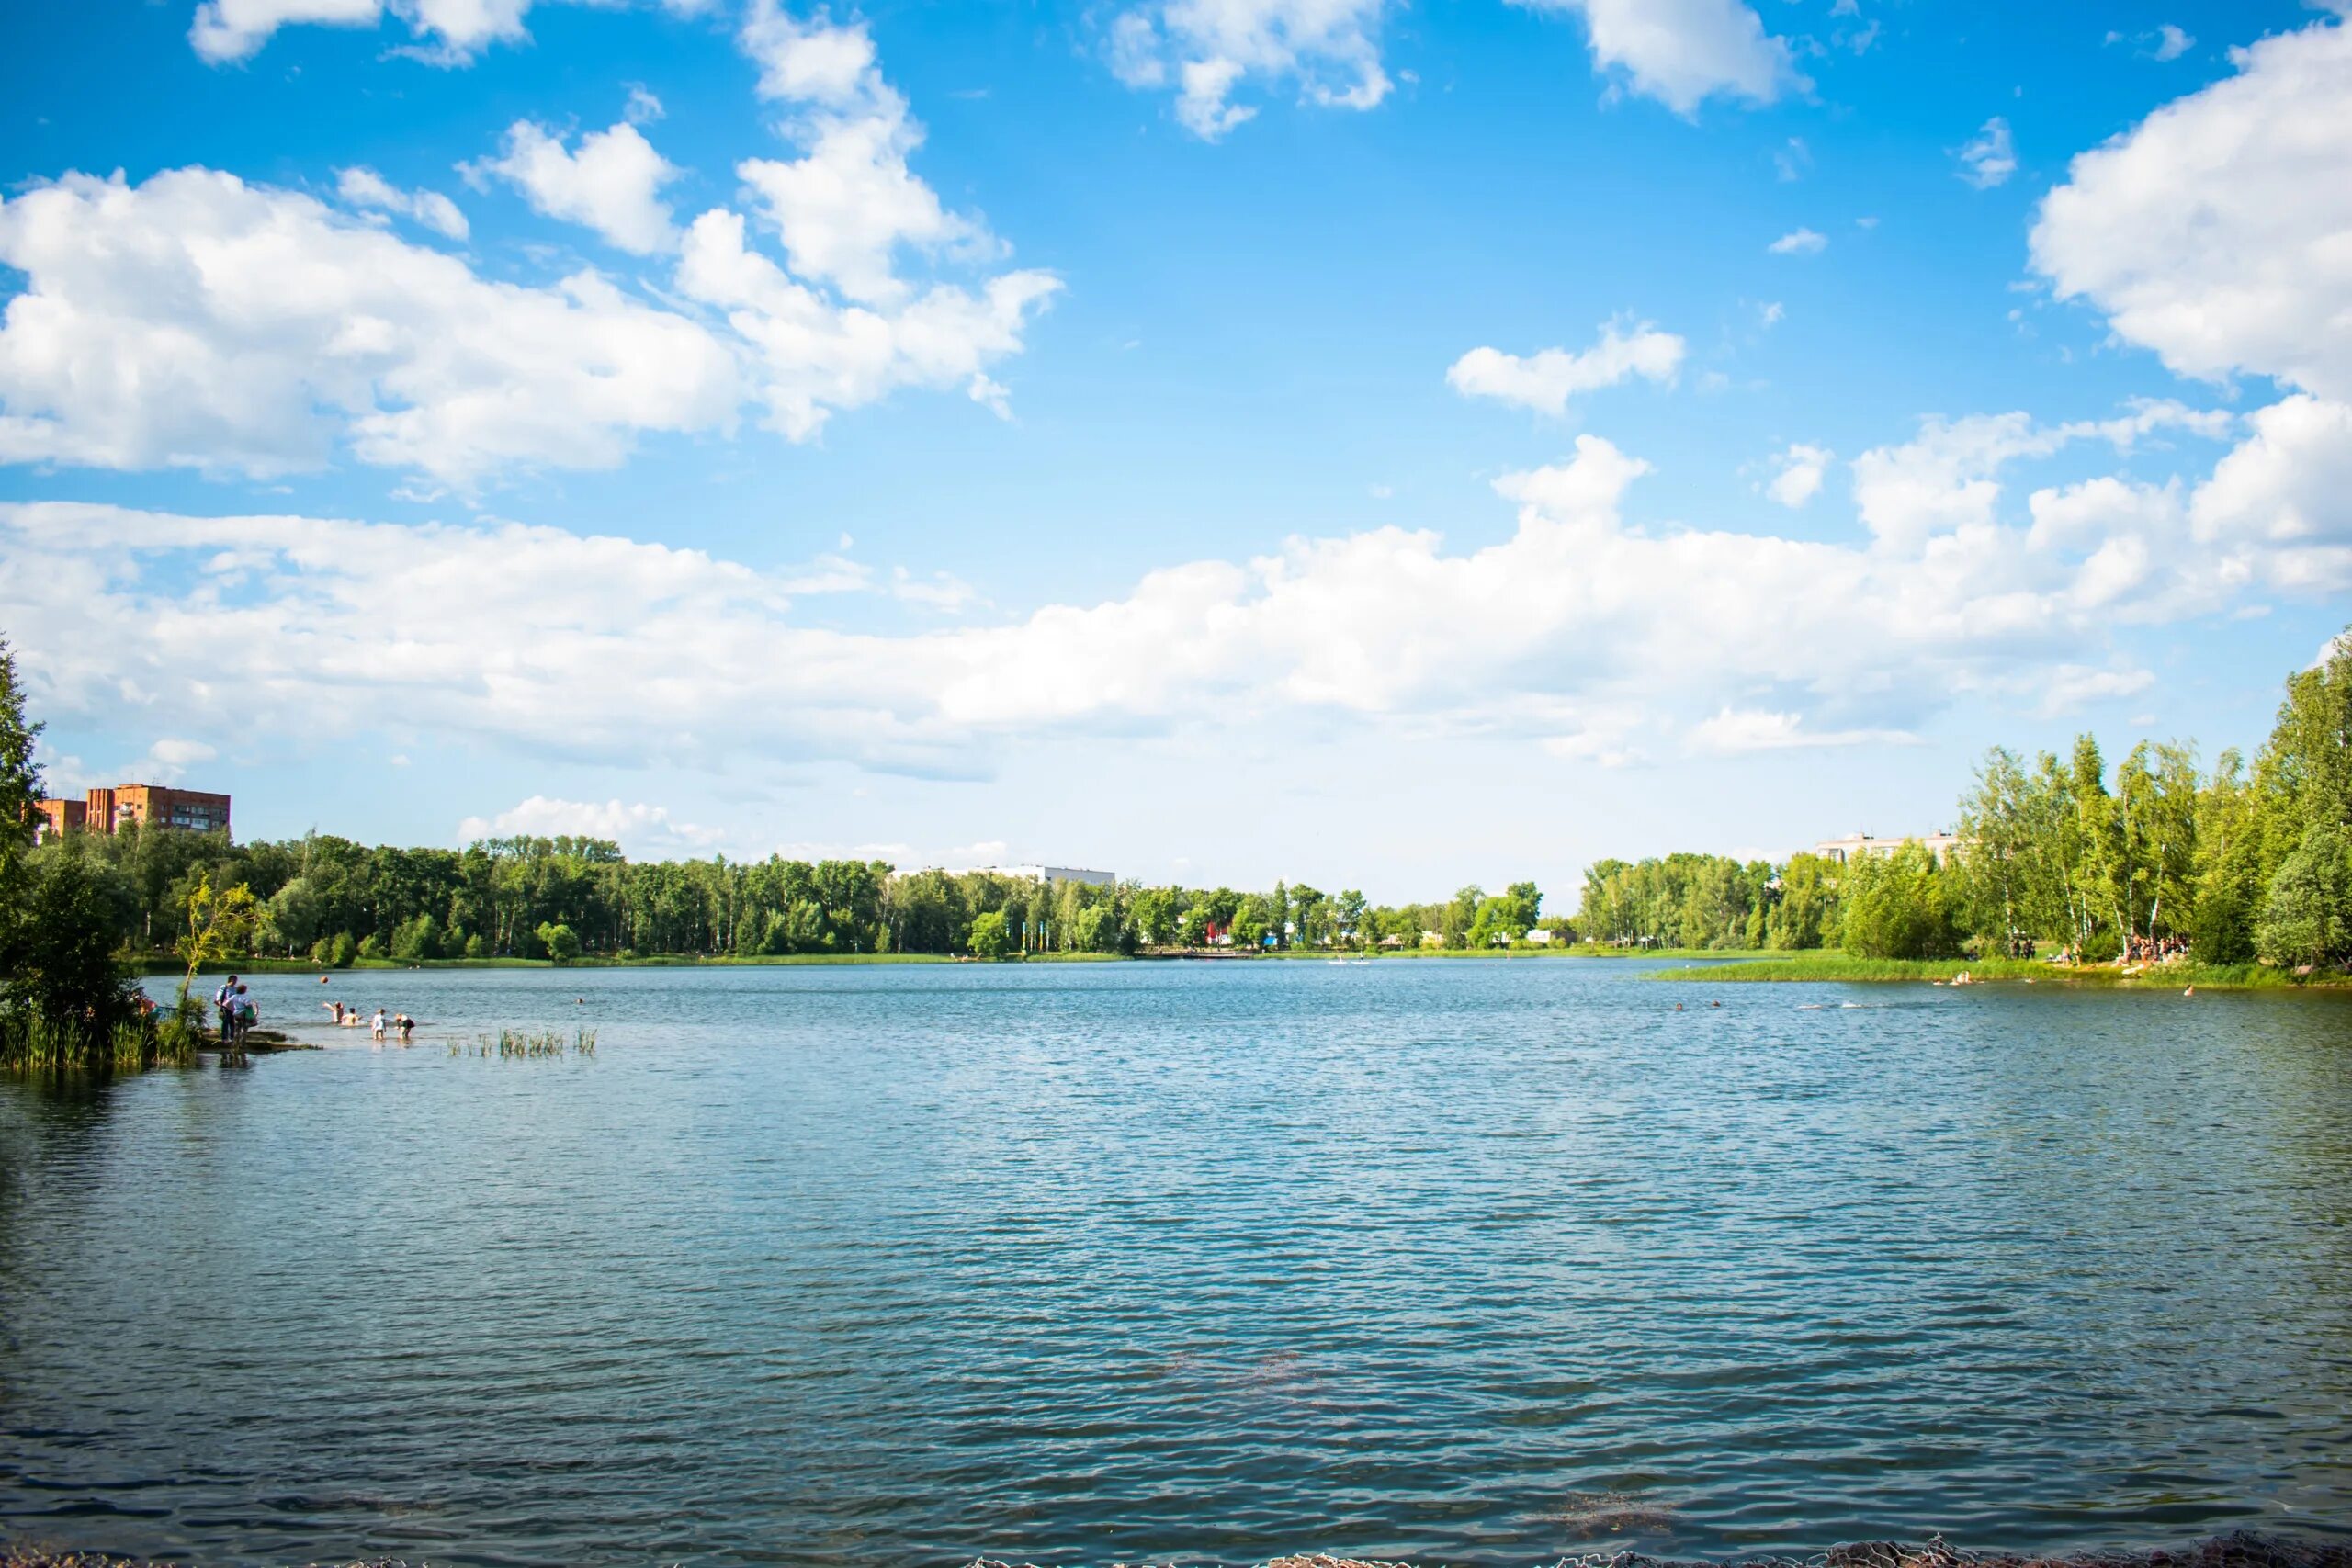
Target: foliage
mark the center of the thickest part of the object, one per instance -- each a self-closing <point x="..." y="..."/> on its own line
<point x="989" y="939"/>
<point x="1899" y="905"/>
<point x="221" y="923"/>
<point x="2306" y="917"/>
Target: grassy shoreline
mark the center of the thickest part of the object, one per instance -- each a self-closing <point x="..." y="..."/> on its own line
<point x="1824" y="968"/>
<point x="1735" y="967"/>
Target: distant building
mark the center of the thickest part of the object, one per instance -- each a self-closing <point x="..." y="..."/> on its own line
<point x="111" y="808"/>
<point x="1540" y="936"/>
<point x="1048" y="875"/>
<point x="1854" y="846"/>
<point x="51" y="817"/>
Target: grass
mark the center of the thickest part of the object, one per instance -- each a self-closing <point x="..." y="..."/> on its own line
<point x="510" y="1043"/>
<point x="1822" y="966"/>
<point x="41" y="1045"/>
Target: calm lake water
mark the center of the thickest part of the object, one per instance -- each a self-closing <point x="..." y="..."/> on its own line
<point x="1487" y="1261"/>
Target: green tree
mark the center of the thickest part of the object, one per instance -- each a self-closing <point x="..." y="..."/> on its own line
<point x="989" y="938"/>
<point x="2307" y="917"/>
<point x="1899" y="905"/>
<point x="561" y="942"/>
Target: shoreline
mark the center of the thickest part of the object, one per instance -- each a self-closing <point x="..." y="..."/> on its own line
<point x="153" y="964"/>
<point x="1737" y="966"/>
<point x="1830" y="967"/>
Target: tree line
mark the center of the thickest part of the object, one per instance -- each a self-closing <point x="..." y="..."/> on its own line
<point x="2246" y="861"/>
<point x="334" y="901"/>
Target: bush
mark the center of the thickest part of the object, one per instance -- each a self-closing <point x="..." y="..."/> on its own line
<point x="562" y="943"/>
<point x="1899" y="905"/>
<point x="989" y="939"/>
<point x="58" y="952"/>
<point x="371" y="946"/>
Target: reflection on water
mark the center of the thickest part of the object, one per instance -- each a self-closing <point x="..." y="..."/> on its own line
<point x="1473" y="1261"/>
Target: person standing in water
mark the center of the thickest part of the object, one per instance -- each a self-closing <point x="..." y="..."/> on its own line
<point x="224" y="1003"/>
<point x="376" y="1026"/>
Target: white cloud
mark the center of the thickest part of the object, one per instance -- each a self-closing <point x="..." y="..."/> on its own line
<point x="231" y="29"/>
<point x="1545" y="381"/>
<point x="2168" y="43"/>
<point x="2287" y="494"/>
<point x="640" y="830"/>
<point x="2072" y="686"/>
<point x="643" y="106"/>
<point x="1990" y="158"/>
<point x="1209" y="49"/>
<point x="2218" y="233"/>
<point x="168" y="760"/>
<point x="1733" y="731"/>
<point x="2214" y="232"/>
<point x="1801" y="470"/>
<point x="1580" y="632"/>
<point x="1945" y="479"/>
<point x="196" y="321"/>
<point x="813" y="358"/>
<point x="448" y="32"/>
<point x="364" y="188"/>
<point x="1798" y="243"/>
<point x="845" y="207"/>
<point x="612" y="184"/>
<point x="1683" y="52"/>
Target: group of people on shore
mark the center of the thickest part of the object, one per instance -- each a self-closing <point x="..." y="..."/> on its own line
<point x="378" y="1025"/>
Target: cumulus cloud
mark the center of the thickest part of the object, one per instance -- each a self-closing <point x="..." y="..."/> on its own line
<point x="1208" y="49"/>
<point x="1582" y="631"/>
<point x="231" y="29"/>
<point x="448" y="32"/>
<point x="2214" y="232"/>
<point x="2287" y="491"/>
<point x="1545" y="381"/>
<point x="1800" y="468"/>
<point x="612" y="184"/>
<point x="1946" y="479"/>
<point x="1683" y="52"/>
<point x="846" y="206"/>
<point x="193" y="321"/>
<point x="364" y="189"/>
<point x="1799" y="243"/>
<point x="642" y="831"/>
<point x="1990" y="157"/>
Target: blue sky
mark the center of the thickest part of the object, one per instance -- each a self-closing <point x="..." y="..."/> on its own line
<point x="1126" y="436"/>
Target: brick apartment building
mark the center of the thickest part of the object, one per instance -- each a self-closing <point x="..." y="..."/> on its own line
<point x="110" y="808"/>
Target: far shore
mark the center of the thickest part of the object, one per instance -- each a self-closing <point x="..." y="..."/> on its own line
<point x="1730" y="966"/>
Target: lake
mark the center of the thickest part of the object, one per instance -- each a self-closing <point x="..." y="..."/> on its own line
<point x="1479" y="1261"/>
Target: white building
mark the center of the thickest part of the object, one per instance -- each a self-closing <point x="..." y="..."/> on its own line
<point x="1048" y="875"/>
<point x="1854" y="846"/>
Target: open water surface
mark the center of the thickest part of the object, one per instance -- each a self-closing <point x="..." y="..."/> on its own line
<point x="1486" y="1261"/>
